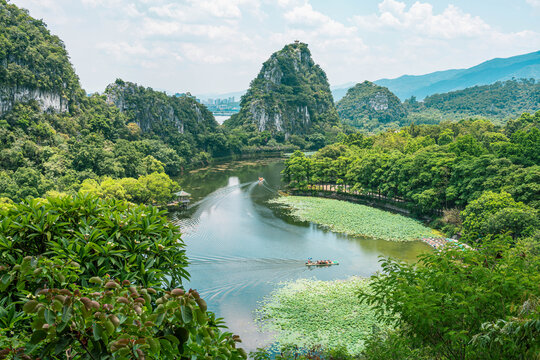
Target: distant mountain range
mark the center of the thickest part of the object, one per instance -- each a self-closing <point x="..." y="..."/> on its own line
<point x="519" y="67"/>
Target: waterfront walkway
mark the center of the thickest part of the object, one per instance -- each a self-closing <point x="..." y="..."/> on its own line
<point x="438" y="243"/>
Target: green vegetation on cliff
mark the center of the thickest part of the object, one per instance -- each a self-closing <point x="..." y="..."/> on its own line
<point x="32" y="59"/>
<point x="371" y="107"/>
<point x="291" y="95"/>
<point x="169" y="117"/>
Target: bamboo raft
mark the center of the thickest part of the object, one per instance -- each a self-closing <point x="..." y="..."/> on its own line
<point x="327" y="264"/>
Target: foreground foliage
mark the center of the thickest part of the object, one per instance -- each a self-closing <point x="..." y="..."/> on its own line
<point x="355" y="219"/>
<point x="128" y="242"/>
<point x="309" y="313"/>
<point x="464" y="304"/>
<point x="86" y="278"/>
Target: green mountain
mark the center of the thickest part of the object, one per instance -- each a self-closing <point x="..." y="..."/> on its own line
<point x="368" y="106"/>
<point x="290" y="95"/>
<point x="519" y="67"/>
<point x="35" y="64"/>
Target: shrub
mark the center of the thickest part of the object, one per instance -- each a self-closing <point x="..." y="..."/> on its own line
<point x="126" y="241"/>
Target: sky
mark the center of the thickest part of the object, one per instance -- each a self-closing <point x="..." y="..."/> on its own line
<point x="218" y="46"/>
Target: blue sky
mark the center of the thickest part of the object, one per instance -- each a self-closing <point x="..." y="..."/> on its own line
<point x="218" y="46"/>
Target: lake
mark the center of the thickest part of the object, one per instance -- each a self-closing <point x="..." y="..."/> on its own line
<point x="221" y="118"/>
<point x="241" y="247"/>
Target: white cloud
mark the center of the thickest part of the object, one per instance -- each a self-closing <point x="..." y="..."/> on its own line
<point x="152" y="27"/>
<point x="169" y="10"/>
<point x="106" y="3"/>
<point x="534" y="3"/>
<point x="220" y="8"/>
<point x="194" y="10"/>
<point x="420" y="19"/>
<point x="305" y="17"/>
<point x="131" y="10"/>
<point x="198" y="54"/>
<point x="122" y="49"/>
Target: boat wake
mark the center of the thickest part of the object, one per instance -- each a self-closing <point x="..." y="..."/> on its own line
<point x="205" y="259"/>
<point x="190" y="225"/>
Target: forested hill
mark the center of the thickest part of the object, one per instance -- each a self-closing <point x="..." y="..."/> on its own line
<point x="500" y="100"/>
<point x="156" y="113"/>
<point x="35" y="65"/>
<point x="291" y="95"/>
<point x="369" y="106"/>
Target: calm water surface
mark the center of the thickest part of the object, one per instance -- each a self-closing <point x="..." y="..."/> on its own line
<point x="241" y="247"/>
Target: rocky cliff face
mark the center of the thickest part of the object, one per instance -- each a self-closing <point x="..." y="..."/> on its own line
<point x="290" y="95"/>
<point x="34" y="65"/>
<point x="156" y="112"/>
<point x="366" y="105"/>
<point x="47" y="100"/>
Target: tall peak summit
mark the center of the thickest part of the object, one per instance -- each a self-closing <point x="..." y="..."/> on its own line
<point x="291" y="94"/>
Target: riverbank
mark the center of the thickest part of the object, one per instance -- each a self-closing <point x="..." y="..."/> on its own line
<point x="309" y="313"/>
<point x="354" y="219"/>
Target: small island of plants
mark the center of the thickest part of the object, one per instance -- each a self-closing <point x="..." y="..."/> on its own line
<point x="355" y="219"/>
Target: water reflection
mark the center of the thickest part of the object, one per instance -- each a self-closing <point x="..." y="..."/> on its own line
<point x="241" y="247"/>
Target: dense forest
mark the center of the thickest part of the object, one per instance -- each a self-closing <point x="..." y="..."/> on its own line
<point x="433" y="167"/>
<point x="500" y="100"/>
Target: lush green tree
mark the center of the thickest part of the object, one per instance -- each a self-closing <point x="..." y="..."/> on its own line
<point x="445" y="300"/>
<point x="154" y="188"/>
<point x="498" y="213"/>
<point x="429" y="168"/>
<point x="298" y="170"/>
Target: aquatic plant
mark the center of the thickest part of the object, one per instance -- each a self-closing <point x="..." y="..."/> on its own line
<point x="354" y="219"/>
<point x="309" y="313"/>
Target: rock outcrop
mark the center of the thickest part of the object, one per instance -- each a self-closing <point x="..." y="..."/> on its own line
<point x="291" y="95"/>
<point x="47" y="100"/>
<point x="157" y="112"/>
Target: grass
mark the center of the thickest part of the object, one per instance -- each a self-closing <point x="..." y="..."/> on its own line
<point x="355" y="219"/>
<point x="308" y="313"/>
